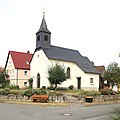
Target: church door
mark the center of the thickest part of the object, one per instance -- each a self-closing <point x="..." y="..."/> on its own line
<point x="38" y="80"/>
<point x="78" y="82"/>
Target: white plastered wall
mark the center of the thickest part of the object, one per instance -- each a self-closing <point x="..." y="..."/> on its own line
<point x="40" y="64"/>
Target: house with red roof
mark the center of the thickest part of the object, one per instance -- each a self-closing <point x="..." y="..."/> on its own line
<point x="18" y="68"/>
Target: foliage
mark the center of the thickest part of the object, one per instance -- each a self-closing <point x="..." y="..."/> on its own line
<point x="107" y="91"/>
<point x="28" y="93"/>
<point x="61" y="88"/>
<point x="89" y="93"/>
<point x="117" y="114"/>
<point x="13" y="87"/>
<point x="5" y="91"/>
<point x="43" y="87"/>
<point x="40" y="91"/>
<point x="56" y="75"/>
<point x="71" y="87"/>
<point x="30" y="82"/>
<point x="112" y="74"/>
<point x="51" y="88"/>
<point x="3" y="79"/>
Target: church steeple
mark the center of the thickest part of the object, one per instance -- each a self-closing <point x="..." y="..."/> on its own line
<point x="43" y="36"/>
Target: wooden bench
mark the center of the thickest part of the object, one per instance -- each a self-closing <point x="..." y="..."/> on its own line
<point x="43" y="98"/>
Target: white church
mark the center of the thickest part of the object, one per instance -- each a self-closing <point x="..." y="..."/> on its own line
<point x="82" y="74"/>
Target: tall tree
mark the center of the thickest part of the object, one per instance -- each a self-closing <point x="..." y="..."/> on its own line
<point x="3" y="79"/>
<point x="56" y="74"/>
<point x="112" y="74"/>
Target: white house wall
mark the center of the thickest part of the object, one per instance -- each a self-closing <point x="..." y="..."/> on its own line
<point x="40" y="64"/>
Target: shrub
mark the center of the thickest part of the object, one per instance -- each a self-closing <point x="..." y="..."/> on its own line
<point x="5" y="91"/>
<point x="116" y="115"/>
<point x="28" y="93"/>
<point x="51" y="88"/>
<point x="40" y="91"/>
<point x="43" y="87"/>
<point x="61" y="88"/>
<point x="12" y="86"/>
<point x="89" y="93"/>
<point x="30" y="82"/>
<point x="71" y="87"/>
<point x="106" y="91"/>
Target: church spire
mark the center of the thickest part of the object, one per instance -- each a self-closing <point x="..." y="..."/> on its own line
<point x="43" y="36"/>
<point x="43" y="26"/>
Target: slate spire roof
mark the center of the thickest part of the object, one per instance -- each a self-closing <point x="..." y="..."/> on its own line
<point x="43" y="27"/>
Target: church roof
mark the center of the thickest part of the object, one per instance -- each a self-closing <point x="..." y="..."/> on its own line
<point x="43" y="27"/>
<point x="20" y="60"/>
<point x="70" y="55"/>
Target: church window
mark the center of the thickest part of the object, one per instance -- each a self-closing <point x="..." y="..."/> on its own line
<point x="68" y="72"/>
<point x="45" y="38"/>
<point x="38" y="38"/>
<point x="38" y="80"/>
<point x="91" y="80"/>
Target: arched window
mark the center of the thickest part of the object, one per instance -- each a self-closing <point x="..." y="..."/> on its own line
<point x="38" y="80"/>
<point x="38" y="38"/>
<point x="45" y="38"/>
<point x="68" y="72"/>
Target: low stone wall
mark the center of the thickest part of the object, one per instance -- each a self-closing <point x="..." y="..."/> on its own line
<point x="103" y="98"/>
<point x="20" y="97"/>
<point x="54" y="98"/>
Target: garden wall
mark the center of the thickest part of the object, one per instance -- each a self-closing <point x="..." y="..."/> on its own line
<point x="56" y="98"/>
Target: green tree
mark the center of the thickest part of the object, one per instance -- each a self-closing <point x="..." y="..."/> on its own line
<point x="30" y="82"/>
<point x="112" y="74"/>
<point x="3" y="79"/>
<point x="56" y="75"/>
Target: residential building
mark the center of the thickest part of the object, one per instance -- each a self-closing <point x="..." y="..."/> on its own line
<point x="18" y="68"/>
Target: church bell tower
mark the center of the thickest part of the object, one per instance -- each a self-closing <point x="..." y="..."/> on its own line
<point x="43" y="36"/>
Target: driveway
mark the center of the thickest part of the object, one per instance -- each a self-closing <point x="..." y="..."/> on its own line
<point x="34" y="112"/>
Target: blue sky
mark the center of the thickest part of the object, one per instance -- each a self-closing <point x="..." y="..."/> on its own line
<point x="90" y="26"/>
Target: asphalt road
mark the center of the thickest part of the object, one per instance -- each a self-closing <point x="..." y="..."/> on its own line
<point x="34" y="112"/>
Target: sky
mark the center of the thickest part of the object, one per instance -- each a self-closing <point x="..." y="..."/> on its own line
<point x="90" y="26"/>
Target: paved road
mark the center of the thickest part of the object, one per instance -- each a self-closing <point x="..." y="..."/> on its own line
<point x="33" y="112"/>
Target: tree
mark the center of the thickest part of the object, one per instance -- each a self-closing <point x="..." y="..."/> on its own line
<point x="56" y="75"/>
<point x="112" y="74"/>
<point x="30" y="82"/>
<point x="3" y="79"/>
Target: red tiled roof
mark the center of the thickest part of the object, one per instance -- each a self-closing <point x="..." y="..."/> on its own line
<point x="1" y="69"/>
<point x="101" y="69"/>
<point x="21" y="60"/>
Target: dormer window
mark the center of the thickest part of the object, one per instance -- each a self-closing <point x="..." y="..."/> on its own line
<point x="27" y="62"/>
<point x="45" y="38"/>
<point x="38" y="38"/>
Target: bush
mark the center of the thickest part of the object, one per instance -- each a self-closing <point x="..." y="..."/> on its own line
<point x="106" y="91"/>
<point x="89" y="93"/>
<point x="43" y="87"/>
<point x="28" y="93"/>
<point x="5" y="91"/>
<point x="15" y="87"/>
<point x="51" y="88"/>
<point x="117" y="114"/>
<point x="71" y="87"/>
<point x="61" y="88"/>
<point x="40" y="91"/>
